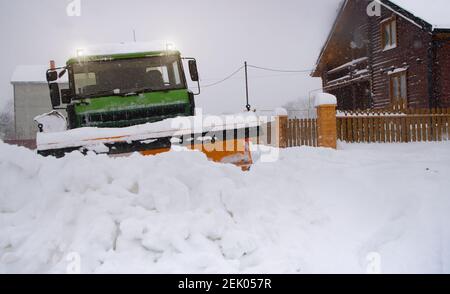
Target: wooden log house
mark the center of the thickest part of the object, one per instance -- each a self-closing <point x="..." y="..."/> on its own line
<point x="382" y="53"/>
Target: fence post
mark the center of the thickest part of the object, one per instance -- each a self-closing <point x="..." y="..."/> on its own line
<point x="281" y="130"/>
<point x="326" y="120"/>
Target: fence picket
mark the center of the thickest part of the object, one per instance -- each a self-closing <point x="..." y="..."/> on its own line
<point x="314" y="132"/>
<point x="419" y="129"/>
<point x="433" y="125"/>
<point x="392" y="129"/>
<point x="383" y="129"/>
<point x="289" y="133"/>
<point x="338" y="126"/>
<point x="439" y="124"/>
<point x="365" y="130"/>
<point x="303" y="132"/>
<point x="413" y="128"/>
<point x="350" y="129"/>
<point x="378" y="129"/>
<point x="294" y="132"/>
<point x="388" y="129"/>
<point x="397" y="130"/>
<point x="344" y="129"/>
<point x="308" y="131"/>
<point x="444" y="124"/>
<point x="361" y="129"/>
<point x="408" y="129"/>
<point x="300" y="132"/>
<point x="424" y="123"/>
<point x="369" y="129"/>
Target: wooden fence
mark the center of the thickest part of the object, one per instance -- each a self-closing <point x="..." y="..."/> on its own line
<point x="301" y="132"/>
<point x="30" y="144"/>
<point x="394" y="125"/>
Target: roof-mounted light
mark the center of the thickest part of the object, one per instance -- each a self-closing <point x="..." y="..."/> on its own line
<point x="80" y="52"/>
<point x="170" y="46"/>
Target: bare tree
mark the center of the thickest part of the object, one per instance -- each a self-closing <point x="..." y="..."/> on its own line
<point x="300" y="108"/>
<point x="7" y="121"/>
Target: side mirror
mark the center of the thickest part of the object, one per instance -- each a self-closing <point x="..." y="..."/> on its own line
<point x="193" y="70"/>
<point x="52" y="76"/>
<point x="66" y="96"/>
<point x="63" y="72"/>
<point x="55" y="97"/>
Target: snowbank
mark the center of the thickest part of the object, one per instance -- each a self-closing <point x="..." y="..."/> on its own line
<point x="313" y="211"/>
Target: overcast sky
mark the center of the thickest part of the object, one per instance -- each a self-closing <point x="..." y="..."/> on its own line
<point x="286" y="34"/>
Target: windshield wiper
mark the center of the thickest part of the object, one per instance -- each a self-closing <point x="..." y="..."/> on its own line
<point x="137" y="91"/>
<point x="118" y="92"/>
<point x="102" y="94"/>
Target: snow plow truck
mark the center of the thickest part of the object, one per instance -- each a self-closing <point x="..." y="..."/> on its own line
<point x="132" y="100"/>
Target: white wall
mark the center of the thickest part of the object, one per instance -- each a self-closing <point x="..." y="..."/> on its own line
<point x="30" y="100"/>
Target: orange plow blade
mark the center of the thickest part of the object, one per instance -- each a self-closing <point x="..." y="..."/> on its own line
<point x="236" y="151"/>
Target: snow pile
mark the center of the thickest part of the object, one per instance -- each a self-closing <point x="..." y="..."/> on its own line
<point x="324" y="99"/>
<point x="313" y="211"/>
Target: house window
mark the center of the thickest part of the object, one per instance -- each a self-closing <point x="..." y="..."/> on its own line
<point x="389" y="34"/>
<point x="398" y="87"/>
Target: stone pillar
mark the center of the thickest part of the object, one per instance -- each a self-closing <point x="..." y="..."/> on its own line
<point x="326" y="120"/>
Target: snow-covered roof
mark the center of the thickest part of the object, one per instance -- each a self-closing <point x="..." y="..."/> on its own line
<point x="435" y="12"/>
<point x="32" y="74"/>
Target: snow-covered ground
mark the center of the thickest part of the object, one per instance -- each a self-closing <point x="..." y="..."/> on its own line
<point x="313" y="211"/>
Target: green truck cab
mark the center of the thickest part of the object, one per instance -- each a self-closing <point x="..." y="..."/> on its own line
<point x="120" y="90"/>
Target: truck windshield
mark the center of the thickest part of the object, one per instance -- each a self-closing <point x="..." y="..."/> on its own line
<point x="127" y="76"/>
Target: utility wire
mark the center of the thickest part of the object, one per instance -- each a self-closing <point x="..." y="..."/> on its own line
<point x="256" y="67"/>
<point x="225" y="79"/>
<point x="280" y="70"/>
<point x="254" y="77"/>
